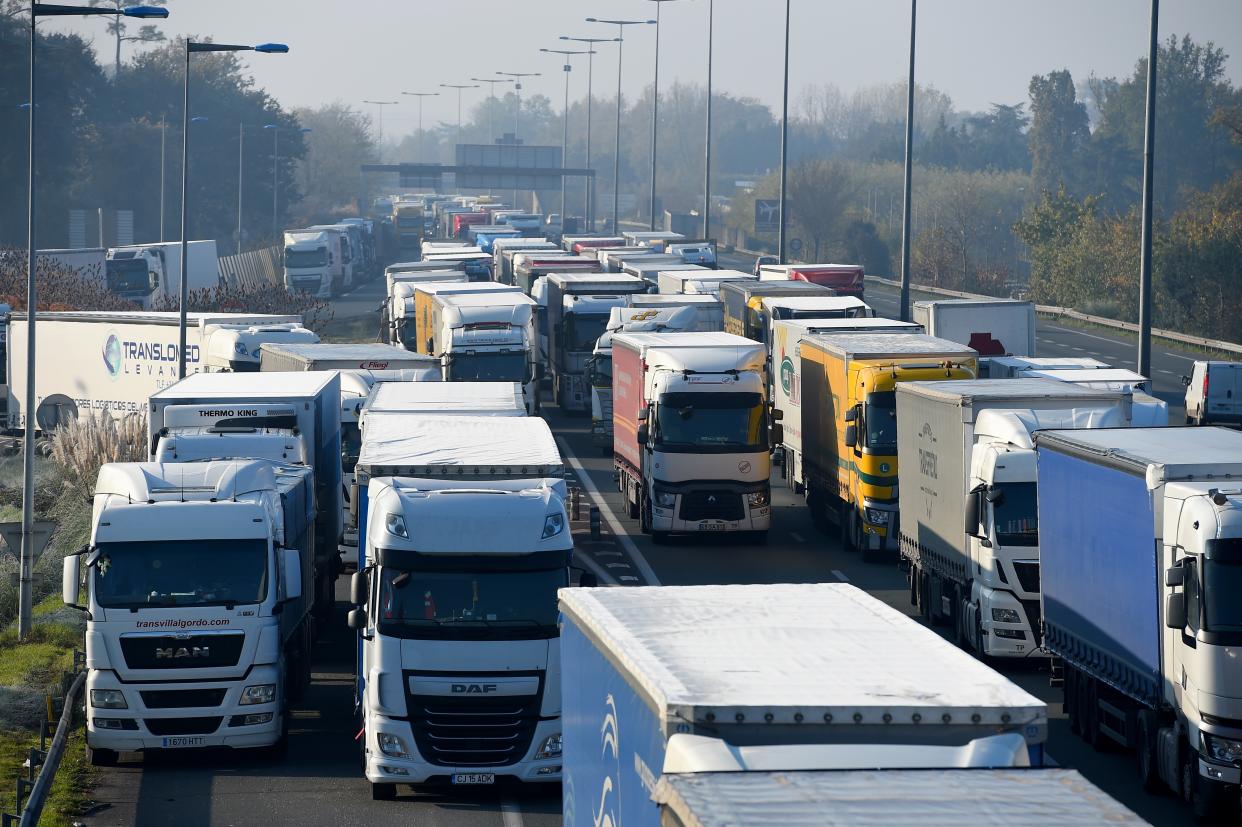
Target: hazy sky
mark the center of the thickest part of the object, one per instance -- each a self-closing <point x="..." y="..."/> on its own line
<point x="977" y="51"/>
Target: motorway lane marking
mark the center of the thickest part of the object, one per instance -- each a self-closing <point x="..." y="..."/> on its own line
<point x="614" y="522"/>
<point x="1179" y="356"/>
<point x="840" y="575"/>
<point x="510" y="814"/>
<point x="797" y="538"/>
<point x="1088" y="335"/>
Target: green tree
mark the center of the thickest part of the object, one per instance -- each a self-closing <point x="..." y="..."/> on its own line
<point x="339" y="142"/>
<point x="1060" y="130"/>
<point x="819" y="194"/>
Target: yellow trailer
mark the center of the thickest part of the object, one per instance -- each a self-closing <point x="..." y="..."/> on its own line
<point x="849" y="425"/>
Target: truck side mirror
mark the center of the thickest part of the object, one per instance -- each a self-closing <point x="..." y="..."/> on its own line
<point x="642" y="434"/>
<point x="1186" y="381"/>
<point x="71" y="579"/>
<point x="777" y="414"/>
<point x="291" y="563"/>
<point x="358" y="588"/>
<point x="1175" y="576"/>
<point x="851" y="415"/>
<point x="851" y="433"/>
<point x="971" y="521"/>
<point x="1175" y="611"/>
<point x="357" y="619"/>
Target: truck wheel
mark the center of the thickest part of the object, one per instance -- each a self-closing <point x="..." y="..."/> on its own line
<point x="1204" y="801"/>
<point x="912" y="574"/>
<point x="99" y="757"/>
<point x="845" y="514"/>
<point x="383" y="792"/>
<point x="1091" y="715"/>
<point x="644" y="514"/>
<point x="1145" y="750"/>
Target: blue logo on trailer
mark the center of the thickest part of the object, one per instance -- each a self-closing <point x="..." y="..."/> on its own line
<point x="112" y="355"/>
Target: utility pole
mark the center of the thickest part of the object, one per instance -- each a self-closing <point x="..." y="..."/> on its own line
<point x="655" y="110"/>
<point x="163" y="136"/>
<point x="241" y="157"/>
<point x="707" y="140"/>
<point x="589" y="189"/>
<point x="1149" y="158"/>
<point x="907" y="202"/>
<point x="781" y="235"/>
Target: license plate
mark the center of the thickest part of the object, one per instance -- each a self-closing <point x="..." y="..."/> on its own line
<point x="184" y="741"/>
<point x="474" y="778"/>
<point x="713" y="527"/>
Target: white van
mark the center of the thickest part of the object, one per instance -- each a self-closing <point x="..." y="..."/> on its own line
<point x="1214" y="393"/>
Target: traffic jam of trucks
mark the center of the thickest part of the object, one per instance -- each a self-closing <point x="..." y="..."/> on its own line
<point x="1039" y="507"/>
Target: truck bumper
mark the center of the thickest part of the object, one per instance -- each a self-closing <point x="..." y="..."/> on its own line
<point x="742" y="515"/>
<point x="879" y="527"/>
<point x="141" y="727"/>
<point x="1219" y="773"/>
<point x="1004" y="638"/>
<point x="385" y="769"/>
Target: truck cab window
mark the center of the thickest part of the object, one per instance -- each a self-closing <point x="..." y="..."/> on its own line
<point x="1194" y="598"/>
<point x="880" y="422"/>
<point x="1221" y="580"/>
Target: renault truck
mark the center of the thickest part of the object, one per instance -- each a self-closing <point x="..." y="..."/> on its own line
<point x="691" y="433"/>
<point x="1141" y="566"/>
<point x="196" y="590"/>
<point x="968" y="516"/>
<point x="849" y="426"/>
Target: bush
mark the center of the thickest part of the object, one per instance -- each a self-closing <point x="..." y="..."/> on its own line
<point x="82" y="445"/>
<point x="315" y="313"/>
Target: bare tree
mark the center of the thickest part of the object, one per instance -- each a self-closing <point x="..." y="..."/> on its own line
<point x="819" y="194"/>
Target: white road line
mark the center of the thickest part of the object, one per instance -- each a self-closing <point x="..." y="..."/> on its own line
<point x="1179" y="356"/>
<point x="840" y="575"/>
<point x="1078" y="349"/>
<point x="797" y="538"/>
<point x="614" y="522"/>
<point x="1165" y="372"/>
<point x="510" y="814"/>
<point x="1088" y="335"/>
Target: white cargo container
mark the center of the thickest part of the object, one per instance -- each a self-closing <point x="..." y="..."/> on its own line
<point x="446" y="399"/>
<point x="993" y="327"/>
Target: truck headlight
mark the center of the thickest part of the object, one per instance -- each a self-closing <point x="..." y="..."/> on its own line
<point x="665" y="499"/>
<point x="553" y="525"/>
<point x="1224" y="750"/>
<point x="1006" y="616"/>
<point x="876" y="516"/>
<point x="758" y="499"/>
<point x="551" y="747"/>
<point x="396" y="526"/>
<point x="391" y="745"/>
<point x="108" y="699"/>
<point x="260" y="693"/>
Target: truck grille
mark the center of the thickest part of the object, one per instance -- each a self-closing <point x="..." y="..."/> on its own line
<point x="183" y="726"/>
<point x="182" y="652"/>
<point x="711" y="505"/>
<point x="474" y="732"/>
<point x="1028" y="576"/>
<point x="182" y="698"/>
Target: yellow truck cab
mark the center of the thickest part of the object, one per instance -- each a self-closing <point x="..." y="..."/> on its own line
<point x="743" y="303"/>
<point x="849" y="425"/>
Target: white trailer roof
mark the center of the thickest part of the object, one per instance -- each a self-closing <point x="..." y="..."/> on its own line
<point x="667" y="300"/>
<point x="570" y="281"/>
<point x="976" y="302"/>
<point x="436" y="446"/>
<point x="814" y="302"/>
<point x="1163" y="454"/>
<point x="159" y="317"/>
<point x="969" y="391"/>
<point x="247" y="385"/>
<point x="477" y="398"/>
<point x="1089" y="374"/>
<point x="815" y="650"/>
<point x="849" y="325"/>
<point x="878" y="345"/>
<point x="361" y="351"/>
<point x="880" y="798"/>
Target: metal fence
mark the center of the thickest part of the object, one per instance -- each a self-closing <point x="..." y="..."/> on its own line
<point x="255" y="268"/>
<point x="41" y="764"/>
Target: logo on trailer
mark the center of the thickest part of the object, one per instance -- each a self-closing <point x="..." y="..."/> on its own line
<point x="112" y="355"/>
<point x="607" y="814"/>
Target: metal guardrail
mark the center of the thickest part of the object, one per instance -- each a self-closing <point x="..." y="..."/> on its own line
<point x="46" y="759"/>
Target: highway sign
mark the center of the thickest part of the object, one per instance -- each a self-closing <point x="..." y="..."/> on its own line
<point x="795" y="245"/>
<point x="767" y="214"/>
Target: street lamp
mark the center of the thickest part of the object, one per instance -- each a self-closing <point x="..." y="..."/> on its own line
<point x="28" y="551"/>
<point x="780" y="238"/>
<point x="491" y="82"/>
<point x="589" y="184"/>
<point x="616" y="161"/>
<point x="420" y="96"/>
<point x="906" y="195"/>
<point x="707" y="140"/>
<point x="1149" y="152"/>
<point x="381" y="105"/>
<point x="459" y="87"/>
<point x="517" y="112"/>
<point x="655" y="108"/>
<point x="276" y="130"/>
<point x="565" y="129"/>
<point x="191" y="47"/>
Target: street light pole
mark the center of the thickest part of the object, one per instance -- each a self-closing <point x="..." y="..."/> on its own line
<point x="906" y="193"/>
<point x="28" y="410"/>
<point x="491" y="82"/>
<point x="1149" y="158"/>
<point x="780" y="242"/>
<point x="381" y="105"/>
<point x="163" y="141"/>
<point x="276" y="129"/>
<point x="567" y="53"/>
<point x="517" y="112"/>
<point x="707" y="141"/>
<point x="241" y="159"/>
<point x="459" y="87"/>
<point x="655" y="109"/>
<point x="420" y="96"/>
<point x="616" y="160"/>
<point x="589" y="186"/>
<point x="191" y="47"/>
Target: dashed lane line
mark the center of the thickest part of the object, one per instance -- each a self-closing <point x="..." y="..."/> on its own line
<point x="840" y="575"/>
<point x="510" y="814"/>
<point x="797" y="538"/>
<point x="614" y="522"/>
<point x="1088" y="335"/>
<point x="1179" y="356"/>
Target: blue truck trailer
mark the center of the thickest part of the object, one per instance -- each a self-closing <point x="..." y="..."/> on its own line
<point x="680" y="679"/>
<point x="1141" y="565"/>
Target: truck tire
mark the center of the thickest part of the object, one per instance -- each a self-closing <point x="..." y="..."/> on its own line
<point x="99" y="757"/>
<point x="1145" y="750"/>
<point x="1091" y="715"/>
<point x="383" y="792"/>
<point x="845" y="526"/>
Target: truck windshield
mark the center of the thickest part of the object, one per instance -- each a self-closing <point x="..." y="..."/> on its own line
<point x="1222" y="583"/>
<point x="181" y="573"/>
<point x="1016" y="516"/>
<point x="306" y="258"/>
<point x="126" y="276"/>
<point x="721" y="422"/>
<point x="469" y="605"/>
<point x="601" y="371"/>
<point x="583" y="330"/>
<point x="487" y="367"/>
<point x="881" y="421"/>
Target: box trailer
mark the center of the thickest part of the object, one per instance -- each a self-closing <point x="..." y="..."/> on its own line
<point x="994" y="327"/>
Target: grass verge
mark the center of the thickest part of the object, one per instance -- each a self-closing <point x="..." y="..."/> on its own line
<point x="353" y="329"/>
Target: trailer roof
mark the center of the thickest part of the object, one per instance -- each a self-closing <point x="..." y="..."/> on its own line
<point x="967" y="391"/>
<point x="481" y="398"/>
<point x="878" y="345"/>
<point x="988" y="798"/>
<point x="619" y="280"/>
<point x="849" y="325"/>
<point x="1163" y="454"/>
<point x="750" y="288"/>
<point x="815" y="302"/>
<point x="413" y="446"/>
<point x="816" y="650"/>
<point x="365" y="351"/>
<point x="674" y="300"/>
<point x="247" y="385"/>
<point x="975" y="302"/>
<point x="159" y="317"/>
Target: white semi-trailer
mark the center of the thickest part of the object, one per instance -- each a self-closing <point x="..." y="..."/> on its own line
<point x="993" y="327"/>
<point x="97" y="361"/>
<point x="197" y="593"/>
<point x="969" y="449"/>
<point x="653" y="677"/>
